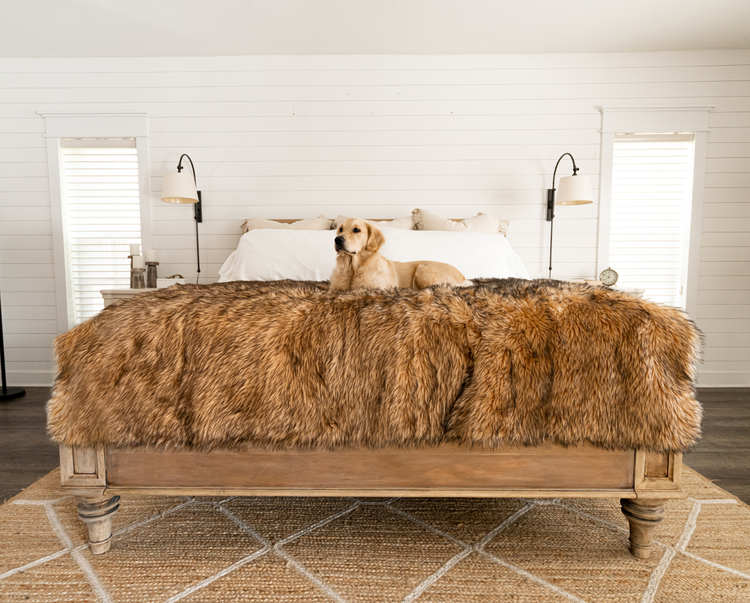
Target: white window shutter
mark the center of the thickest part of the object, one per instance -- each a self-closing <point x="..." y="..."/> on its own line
<point x="651" y="200"/>
<point x="102" y="211"/>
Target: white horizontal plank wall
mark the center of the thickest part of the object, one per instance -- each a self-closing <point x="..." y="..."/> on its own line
<point x="375" y="136"/>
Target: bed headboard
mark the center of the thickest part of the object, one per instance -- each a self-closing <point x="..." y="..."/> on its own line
<point x="293" y="220"/>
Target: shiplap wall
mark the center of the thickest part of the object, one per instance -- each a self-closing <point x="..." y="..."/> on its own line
<point x="375" y="136"/>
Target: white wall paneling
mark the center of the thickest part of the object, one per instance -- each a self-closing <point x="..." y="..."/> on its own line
<point x="295" y="136"/>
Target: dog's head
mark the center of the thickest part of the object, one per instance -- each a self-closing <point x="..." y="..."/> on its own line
<point x="356" y="235"/>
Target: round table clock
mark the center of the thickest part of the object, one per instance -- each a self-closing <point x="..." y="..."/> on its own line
<point x="608" y="277"/>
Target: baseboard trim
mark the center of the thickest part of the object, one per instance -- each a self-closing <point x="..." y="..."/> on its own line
<point x="723" y="379"/>
<point x="30" y="378"/>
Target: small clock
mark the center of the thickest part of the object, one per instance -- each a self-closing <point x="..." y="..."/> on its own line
<point x="608" y="277"/>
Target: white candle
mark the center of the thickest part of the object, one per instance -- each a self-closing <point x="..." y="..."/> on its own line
<point x="135" y="249"/>
<point x="138" y="262"/>
<point x="151" y="255"/>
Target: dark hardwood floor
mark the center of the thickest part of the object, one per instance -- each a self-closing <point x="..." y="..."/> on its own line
<point x="26" y="452"/>
<point x="723" y="455"/>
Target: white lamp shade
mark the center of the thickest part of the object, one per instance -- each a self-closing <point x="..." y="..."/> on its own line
<point x="179" y="187"/>
<point x="574" y="190"/>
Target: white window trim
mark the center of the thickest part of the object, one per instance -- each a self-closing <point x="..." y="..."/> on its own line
<point x="89" y="125"/>
<point x="618" y="119"/>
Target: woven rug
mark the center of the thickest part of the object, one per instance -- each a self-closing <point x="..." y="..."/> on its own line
<point x="169" y="549"/>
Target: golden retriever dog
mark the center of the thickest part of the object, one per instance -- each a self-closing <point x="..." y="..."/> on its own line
<point x="359" y="263"/>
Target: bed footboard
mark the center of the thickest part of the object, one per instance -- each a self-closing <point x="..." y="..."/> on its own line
<point x="644" y="481"/>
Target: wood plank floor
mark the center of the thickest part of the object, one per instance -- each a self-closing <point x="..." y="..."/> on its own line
<point x="26" y="452"/>
<point x="723" y="455"/>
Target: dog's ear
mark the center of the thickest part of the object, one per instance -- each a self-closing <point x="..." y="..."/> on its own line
<point x="375" y="238"/>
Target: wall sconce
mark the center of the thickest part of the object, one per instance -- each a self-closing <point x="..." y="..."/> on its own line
<point x="574" y="190"/>
<point x="181" y="188"/>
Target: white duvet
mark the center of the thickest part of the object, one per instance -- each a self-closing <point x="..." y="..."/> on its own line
<point x="308" y="255"/>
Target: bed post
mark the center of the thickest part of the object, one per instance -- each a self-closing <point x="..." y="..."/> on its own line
<point x="83" y="475"/>
<point x="657" y="480"/>
<point x="643" y="517"/>
<point x="97" y="514"/>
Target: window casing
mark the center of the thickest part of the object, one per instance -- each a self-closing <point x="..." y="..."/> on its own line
<point x="87" y="127"/>
<point x="657" y="119"/>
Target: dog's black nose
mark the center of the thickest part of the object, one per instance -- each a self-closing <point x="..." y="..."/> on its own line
<point x="338" y="241"/>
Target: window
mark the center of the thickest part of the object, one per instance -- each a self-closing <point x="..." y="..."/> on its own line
<point x="102" y="217"/>
<point x="617" y="119"/>
<point x="651" y="203"/>
<point x="87" y="202"/>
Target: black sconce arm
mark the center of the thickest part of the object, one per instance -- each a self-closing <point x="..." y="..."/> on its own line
<point x="551" y="191"/>
<point x="199" y="205"/>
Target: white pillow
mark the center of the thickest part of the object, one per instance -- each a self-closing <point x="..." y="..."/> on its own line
<point x="475" y="254"/>
<point x="265" y="255"/>
<point x="406" y="223"/>
<point x="425" y="220"/>
<point x="319" y="223"/>
<point x="272" y="255"/>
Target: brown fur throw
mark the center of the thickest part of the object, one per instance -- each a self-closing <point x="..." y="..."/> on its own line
<point x="293" y="365"/>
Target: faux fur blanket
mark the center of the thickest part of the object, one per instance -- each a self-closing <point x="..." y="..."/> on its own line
<point x="293" y="365"/>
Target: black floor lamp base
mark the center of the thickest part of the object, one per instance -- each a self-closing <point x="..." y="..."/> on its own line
<point x="9" y="393"/>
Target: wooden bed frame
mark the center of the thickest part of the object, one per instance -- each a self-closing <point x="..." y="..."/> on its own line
<point x="643" y="481"/>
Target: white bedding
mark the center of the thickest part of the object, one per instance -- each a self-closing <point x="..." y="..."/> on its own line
<point x="308" y="255"/>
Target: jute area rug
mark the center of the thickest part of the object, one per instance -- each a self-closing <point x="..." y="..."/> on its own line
<point x="169" y="549"/>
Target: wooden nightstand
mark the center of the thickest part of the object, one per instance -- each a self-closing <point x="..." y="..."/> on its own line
<point x="112" y="295"/>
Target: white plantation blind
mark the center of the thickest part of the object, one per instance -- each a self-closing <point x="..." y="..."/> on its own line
<point x="102" y="213"/>
<point x="651" y="198"/>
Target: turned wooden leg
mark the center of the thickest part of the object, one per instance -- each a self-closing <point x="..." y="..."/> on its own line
<point x="96" y="513"/>
<point x="643" y="516"/>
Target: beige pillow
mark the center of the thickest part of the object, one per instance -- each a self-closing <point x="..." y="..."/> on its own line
<point x="425" y="220"/>
<point x="319" y="223"/>
<point x="406" y="223"/>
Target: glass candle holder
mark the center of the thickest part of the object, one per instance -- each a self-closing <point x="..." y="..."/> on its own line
<point x="138" y="278"/>
<point x="151" y="274"/>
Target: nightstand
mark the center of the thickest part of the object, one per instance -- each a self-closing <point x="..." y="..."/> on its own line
<point x="633" y="291"/>
<point x="112" y="295"/>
